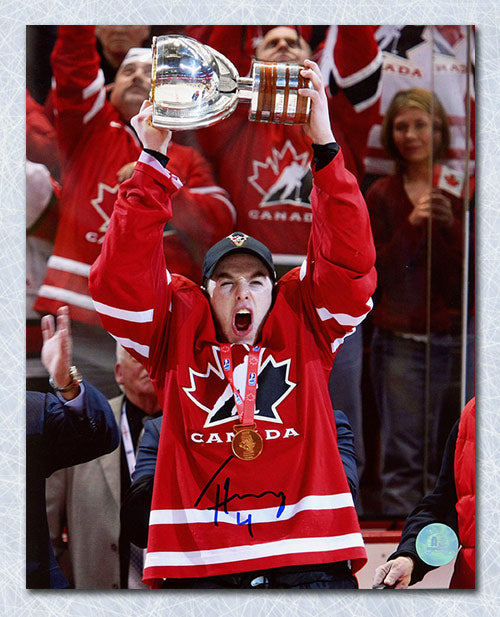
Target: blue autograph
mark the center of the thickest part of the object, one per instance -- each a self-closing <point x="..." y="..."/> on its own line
<point x="223" y="498"/>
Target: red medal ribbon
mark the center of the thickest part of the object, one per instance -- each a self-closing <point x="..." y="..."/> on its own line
<point x="246" y="406"/>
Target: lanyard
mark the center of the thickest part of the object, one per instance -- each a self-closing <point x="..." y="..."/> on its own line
<point x="246" y="406"/>
<point x="127" y="441"/>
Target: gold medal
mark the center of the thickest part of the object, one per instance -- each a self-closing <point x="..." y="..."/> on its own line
<point x="247" y="444"/>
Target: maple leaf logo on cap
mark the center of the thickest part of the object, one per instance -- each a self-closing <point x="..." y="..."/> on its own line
<point x="238" y="239"/>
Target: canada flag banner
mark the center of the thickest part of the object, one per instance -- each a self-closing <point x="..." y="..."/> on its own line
<point x="448" y="179"/>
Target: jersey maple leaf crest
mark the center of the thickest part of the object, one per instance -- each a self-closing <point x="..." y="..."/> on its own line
<point x="211" y="392"/>
<point x="283" y="178"/>
<point x="105" y="200"/>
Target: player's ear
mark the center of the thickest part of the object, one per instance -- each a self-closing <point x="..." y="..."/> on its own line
<point x="207" y="283"/>
<point x="118" y="373"/>
<point x="274" y="292"/>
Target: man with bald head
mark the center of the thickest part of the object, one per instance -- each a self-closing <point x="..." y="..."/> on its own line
<point x="283" y="44"/>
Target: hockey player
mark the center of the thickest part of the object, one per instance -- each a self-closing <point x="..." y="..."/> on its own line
<point x="249" y="488"/>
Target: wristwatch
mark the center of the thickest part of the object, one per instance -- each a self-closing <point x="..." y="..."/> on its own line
<point x="76" y="380"/>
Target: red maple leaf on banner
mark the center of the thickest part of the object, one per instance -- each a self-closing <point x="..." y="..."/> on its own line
<point x="451" y="179"/>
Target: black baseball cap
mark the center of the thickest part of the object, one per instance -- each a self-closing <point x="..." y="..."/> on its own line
<point x="237" y="242"/>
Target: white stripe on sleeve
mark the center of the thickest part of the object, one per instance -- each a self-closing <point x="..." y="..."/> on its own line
<point x="143" y="350"/>
<point x="150" y="160"/>
<point x="66" y="296"/>
<point x="133" y="316"/>
<point x="96" y="107"/>
<point x="95" y="86"/>
<point x="68" y="265"/>
<point x="344" y="319"/>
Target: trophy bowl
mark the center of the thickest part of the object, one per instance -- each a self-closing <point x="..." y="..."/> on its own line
<point x="194" y="86"/>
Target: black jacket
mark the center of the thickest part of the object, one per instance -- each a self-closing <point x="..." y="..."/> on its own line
<point x="58" y="436"/>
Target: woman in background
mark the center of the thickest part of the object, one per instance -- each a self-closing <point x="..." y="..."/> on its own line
<point x="418" y="236"/>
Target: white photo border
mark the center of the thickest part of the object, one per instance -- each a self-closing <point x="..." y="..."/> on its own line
<point x="14" y="598"/>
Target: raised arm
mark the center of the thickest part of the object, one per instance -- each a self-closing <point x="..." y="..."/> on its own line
<point x="57" y="351"/>
<point x="77" y="424"/>
<point x="338" y="277"/>
<point x="129" y="283"/>
<point x="152" y="138"/>
<point x="79" y="92"/>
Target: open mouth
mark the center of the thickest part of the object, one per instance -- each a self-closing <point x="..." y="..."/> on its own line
<point x="242" y="321"/>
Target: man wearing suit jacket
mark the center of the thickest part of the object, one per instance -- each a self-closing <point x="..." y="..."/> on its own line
<point x="84" y="501"/>
<point x="72" y="427"/>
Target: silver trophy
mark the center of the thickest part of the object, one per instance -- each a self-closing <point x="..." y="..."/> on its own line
<point x="194" y="86"/>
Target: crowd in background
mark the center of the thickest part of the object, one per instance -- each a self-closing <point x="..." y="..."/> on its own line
<point x="402" y="106"/>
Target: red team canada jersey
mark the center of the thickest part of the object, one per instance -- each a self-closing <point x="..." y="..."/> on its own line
<point x="95" y="143"/>
<point x="212" y="513"/>
<point x="266" y="170"/>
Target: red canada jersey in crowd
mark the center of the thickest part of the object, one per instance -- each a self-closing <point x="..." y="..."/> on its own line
<point x="41" y="141"/>
<point x="351" y="64"/>
<point x="266" y="167"/>
<point x="434" y="58"/>
<point x="95" y="143"/>
<point x="211" y="512"/>
<point x="239" y="42"/>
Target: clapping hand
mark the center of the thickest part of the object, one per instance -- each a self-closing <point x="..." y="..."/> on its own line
<point x="57" y="349"/>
